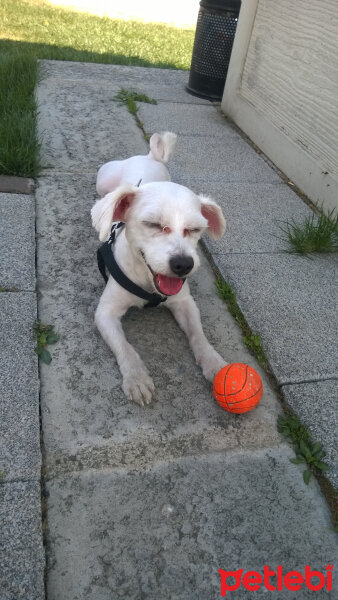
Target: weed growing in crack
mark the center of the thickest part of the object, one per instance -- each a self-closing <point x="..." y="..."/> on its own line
<point x="129" y="99"/>
<point x="45" y="335"/>
<point x="308" y="452"/>
<point x="251" y="340"/>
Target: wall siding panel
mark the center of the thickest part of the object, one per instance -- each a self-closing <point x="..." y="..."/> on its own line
<point x="282" y="89"/>
<point x="291" y="73"/>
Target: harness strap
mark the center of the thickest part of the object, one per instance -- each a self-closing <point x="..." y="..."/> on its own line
<point x="106" y="259"/>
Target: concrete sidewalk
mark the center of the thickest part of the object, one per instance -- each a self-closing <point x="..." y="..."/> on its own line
<point x="150" y="503"/>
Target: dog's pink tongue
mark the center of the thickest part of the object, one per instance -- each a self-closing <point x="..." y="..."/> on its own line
<point x="168" y="285"/>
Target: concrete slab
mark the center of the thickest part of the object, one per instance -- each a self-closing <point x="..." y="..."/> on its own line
<point x="166" y="92"/>
<point x="22" y="558"/>
<point x="164" y="532"/>
<point x="95" y="71"/>
<point x="86" y="418"/>
<point x="163" y="84"/>
<point x="67" y="243"/>
<point x="82" y="127"/>
<point x="19" y="388"/>
<point x="88" y="422"/>
<point x="316" y="402"/>
<point x="254" y="213"/>
<point x="17" y="241"/>
<point x="199" y="159"/>
<point x="185" y="119"/>
<point x="291" y="301"/>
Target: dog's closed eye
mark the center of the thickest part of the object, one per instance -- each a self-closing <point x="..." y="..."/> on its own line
<point x="191" y="231"/>
<point x="159" y="227"/>
<point x="152" y="225"/>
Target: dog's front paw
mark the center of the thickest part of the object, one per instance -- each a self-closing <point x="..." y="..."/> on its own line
<point x="211" y="363"/>
<point x="139" y="387"/>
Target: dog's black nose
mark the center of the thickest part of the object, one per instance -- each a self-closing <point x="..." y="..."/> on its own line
<point x="181" y="265"/>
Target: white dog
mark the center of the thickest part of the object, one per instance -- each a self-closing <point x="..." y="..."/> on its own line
<point x="156" y="250"/>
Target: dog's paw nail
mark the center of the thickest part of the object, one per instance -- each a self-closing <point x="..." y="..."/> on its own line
<point x="139" y="388"/>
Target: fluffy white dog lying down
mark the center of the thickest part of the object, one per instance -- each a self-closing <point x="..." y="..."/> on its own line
<point x="156" y="250"/>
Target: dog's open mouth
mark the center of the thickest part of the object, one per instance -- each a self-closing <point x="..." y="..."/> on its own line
<point x="169" y="286"/>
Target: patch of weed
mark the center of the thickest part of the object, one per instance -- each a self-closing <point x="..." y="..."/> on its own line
<point x="307" y="452"/>
<point x="45" y="335"/>
<point x="129" y="99"/>
<point x="251" y="340"/>
<point x="318" y="233"/>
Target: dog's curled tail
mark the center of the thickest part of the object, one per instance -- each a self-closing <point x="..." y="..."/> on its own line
<point x="162" y="146"/>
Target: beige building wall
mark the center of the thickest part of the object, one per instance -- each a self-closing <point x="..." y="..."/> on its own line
<point x="282" y="89"/>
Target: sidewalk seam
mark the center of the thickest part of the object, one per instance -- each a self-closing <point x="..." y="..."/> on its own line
<point x="316" y="380"/>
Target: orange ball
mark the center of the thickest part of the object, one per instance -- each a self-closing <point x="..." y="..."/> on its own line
<point x="238" y="388"/>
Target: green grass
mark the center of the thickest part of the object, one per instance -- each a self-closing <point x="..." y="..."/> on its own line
<point x="19" y="146"/>
<point x="47" y="31"/>
<point x="251" y="340"/>
<point x="318" y="233"/>
<point x="33" y="29"/>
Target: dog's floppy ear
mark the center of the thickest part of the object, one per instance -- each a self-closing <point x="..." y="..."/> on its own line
<point x="112" y="207"/>
<point x="213" y="213"/>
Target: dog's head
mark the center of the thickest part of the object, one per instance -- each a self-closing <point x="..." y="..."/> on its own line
<point x="164" y="222"/>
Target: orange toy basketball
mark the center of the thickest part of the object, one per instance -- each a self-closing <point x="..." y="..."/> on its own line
<point x="238" y="388"/>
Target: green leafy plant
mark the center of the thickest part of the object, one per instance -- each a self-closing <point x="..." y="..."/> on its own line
<point x="253" y="343"/>
<point x="45" y="335"/>
<point x="307" y="452"/>
<point x="318" y="233"/>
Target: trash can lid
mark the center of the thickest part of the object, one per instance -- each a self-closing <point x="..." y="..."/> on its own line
<point x="221" y="4"/>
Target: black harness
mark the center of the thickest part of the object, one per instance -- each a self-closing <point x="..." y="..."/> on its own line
<point x="106" y="260"/>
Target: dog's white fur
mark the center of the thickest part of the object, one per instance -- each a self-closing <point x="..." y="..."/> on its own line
<point x="162" y="220"/>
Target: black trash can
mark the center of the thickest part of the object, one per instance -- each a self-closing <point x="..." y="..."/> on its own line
<point x="215" y="32"/>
